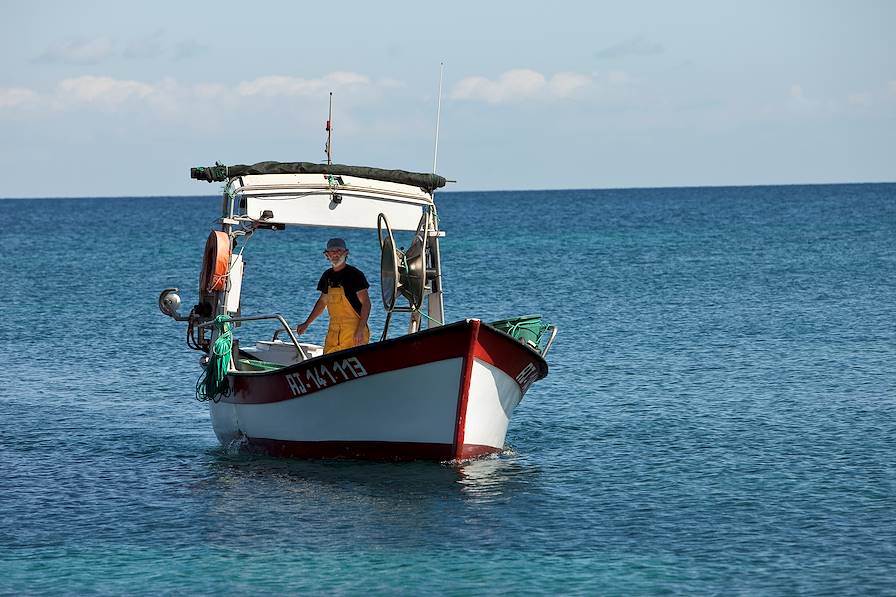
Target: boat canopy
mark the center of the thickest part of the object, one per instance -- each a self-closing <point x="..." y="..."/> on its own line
<point x="327" y="200"/>
<point x="220" y="173"/>
<point x="334" y="195"/>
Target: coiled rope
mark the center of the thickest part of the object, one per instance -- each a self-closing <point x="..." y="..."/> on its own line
<point x="213" y="384"/>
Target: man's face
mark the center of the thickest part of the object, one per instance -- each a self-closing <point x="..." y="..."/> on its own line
<point x="335" y="256"/>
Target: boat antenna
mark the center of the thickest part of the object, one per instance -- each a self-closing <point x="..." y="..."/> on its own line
<point x="435" y="151"/>
<point x="329" y="147"/>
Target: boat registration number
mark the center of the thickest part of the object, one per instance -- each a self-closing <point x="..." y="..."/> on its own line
<point x="324" y="375"/>
<point x="527" y="377"/>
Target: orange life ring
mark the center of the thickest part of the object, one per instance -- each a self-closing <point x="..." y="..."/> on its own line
<point x="215" y="262"/>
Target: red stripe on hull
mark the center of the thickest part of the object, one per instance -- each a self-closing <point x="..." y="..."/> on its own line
<point x="436" y="344"/>
<point x="465" y="392"/>
<point x="512" y="357"/>
<point x="394" y="451"/>
<point x="340" y="367"/>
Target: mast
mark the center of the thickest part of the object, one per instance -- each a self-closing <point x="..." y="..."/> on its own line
<point x="435" y="302"/>
<point x="330" y="132"/>
<point x="435" y="151"/>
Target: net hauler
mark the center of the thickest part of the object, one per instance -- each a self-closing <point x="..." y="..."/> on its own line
<point x="435" y="391"/>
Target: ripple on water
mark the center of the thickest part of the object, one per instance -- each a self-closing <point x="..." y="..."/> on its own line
<point x="720" y="416"/>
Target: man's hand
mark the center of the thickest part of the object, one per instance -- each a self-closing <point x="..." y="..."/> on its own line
<point x="359" y="335"/>
<point x="300" y="329"/>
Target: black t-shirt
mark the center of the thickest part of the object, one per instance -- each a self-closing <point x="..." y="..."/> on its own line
<point x="350" y="279"/>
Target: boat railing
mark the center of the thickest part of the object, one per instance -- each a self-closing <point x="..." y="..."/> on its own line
<point x="550" y="341"/>
<point x="273" y="316"/>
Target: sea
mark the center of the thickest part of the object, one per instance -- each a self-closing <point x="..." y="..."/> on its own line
<point x="719" y="417"/>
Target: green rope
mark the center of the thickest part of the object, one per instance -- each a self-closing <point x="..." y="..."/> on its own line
<point x="262" y="365"/>
<point x="213" y="382"/>
<point x="514" y="330"/>
<point x="428" y="317"/>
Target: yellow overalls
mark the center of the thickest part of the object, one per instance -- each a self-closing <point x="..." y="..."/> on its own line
<point x="343" y="322"/>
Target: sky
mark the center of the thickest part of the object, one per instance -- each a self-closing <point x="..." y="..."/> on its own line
<point x="122" y="98"/>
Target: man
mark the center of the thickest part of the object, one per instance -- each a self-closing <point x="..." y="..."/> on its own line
<point x="343" y="292"/>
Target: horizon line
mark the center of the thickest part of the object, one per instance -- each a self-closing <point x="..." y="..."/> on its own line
<point x="441" y="192"/>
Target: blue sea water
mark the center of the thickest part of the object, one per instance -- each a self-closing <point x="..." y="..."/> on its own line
<point x="719" y="418"/>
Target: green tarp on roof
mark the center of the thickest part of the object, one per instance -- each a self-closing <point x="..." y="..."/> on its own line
<point x="220" y="173"/>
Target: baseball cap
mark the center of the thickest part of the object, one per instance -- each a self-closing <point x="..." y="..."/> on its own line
<point x="336" y="243"/>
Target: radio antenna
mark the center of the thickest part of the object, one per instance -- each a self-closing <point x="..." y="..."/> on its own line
<point x="329" y="147"/>
<point x="435" y="151"/>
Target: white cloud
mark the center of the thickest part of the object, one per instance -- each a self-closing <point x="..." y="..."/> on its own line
<point x="170" y="99"/>
<point x="799" y="102"/>
<point x="209" y="90"/>
<point x="567" y="84"/>
<point x="17" y="97"/>
<point x="103" y="91"/>
<point x="526" y="84"/>
<point x="281" y="85"/>
<point x="514" y="84"/>
<point x="519" y="84"/>
<point x="269" y="103"/>
<point x="169" y="96"/>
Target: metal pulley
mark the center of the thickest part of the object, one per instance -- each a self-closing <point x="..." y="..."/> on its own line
<point x="402" y="272"/>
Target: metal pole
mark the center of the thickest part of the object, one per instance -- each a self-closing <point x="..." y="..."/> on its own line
<point x="435" y="303"/>
<point x="276" y="316"/>
<point x="227" y="228"/>
<point x="330" y="132"/>
<point x="435" y="151"/>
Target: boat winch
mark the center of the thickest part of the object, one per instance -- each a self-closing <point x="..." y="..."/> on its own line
<point x="404" y="273"/>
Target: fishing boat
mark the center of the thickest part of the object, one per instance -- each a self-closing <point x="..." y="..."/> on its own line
<point x="436" y="390"/>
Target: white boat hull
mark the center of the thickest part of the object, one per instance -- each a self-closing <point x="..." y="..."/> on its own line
<point x="451" y="397"/>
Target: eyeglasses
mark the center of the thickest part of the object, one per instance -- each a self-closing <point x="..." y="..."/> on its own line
<point x="334" y="252"/>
